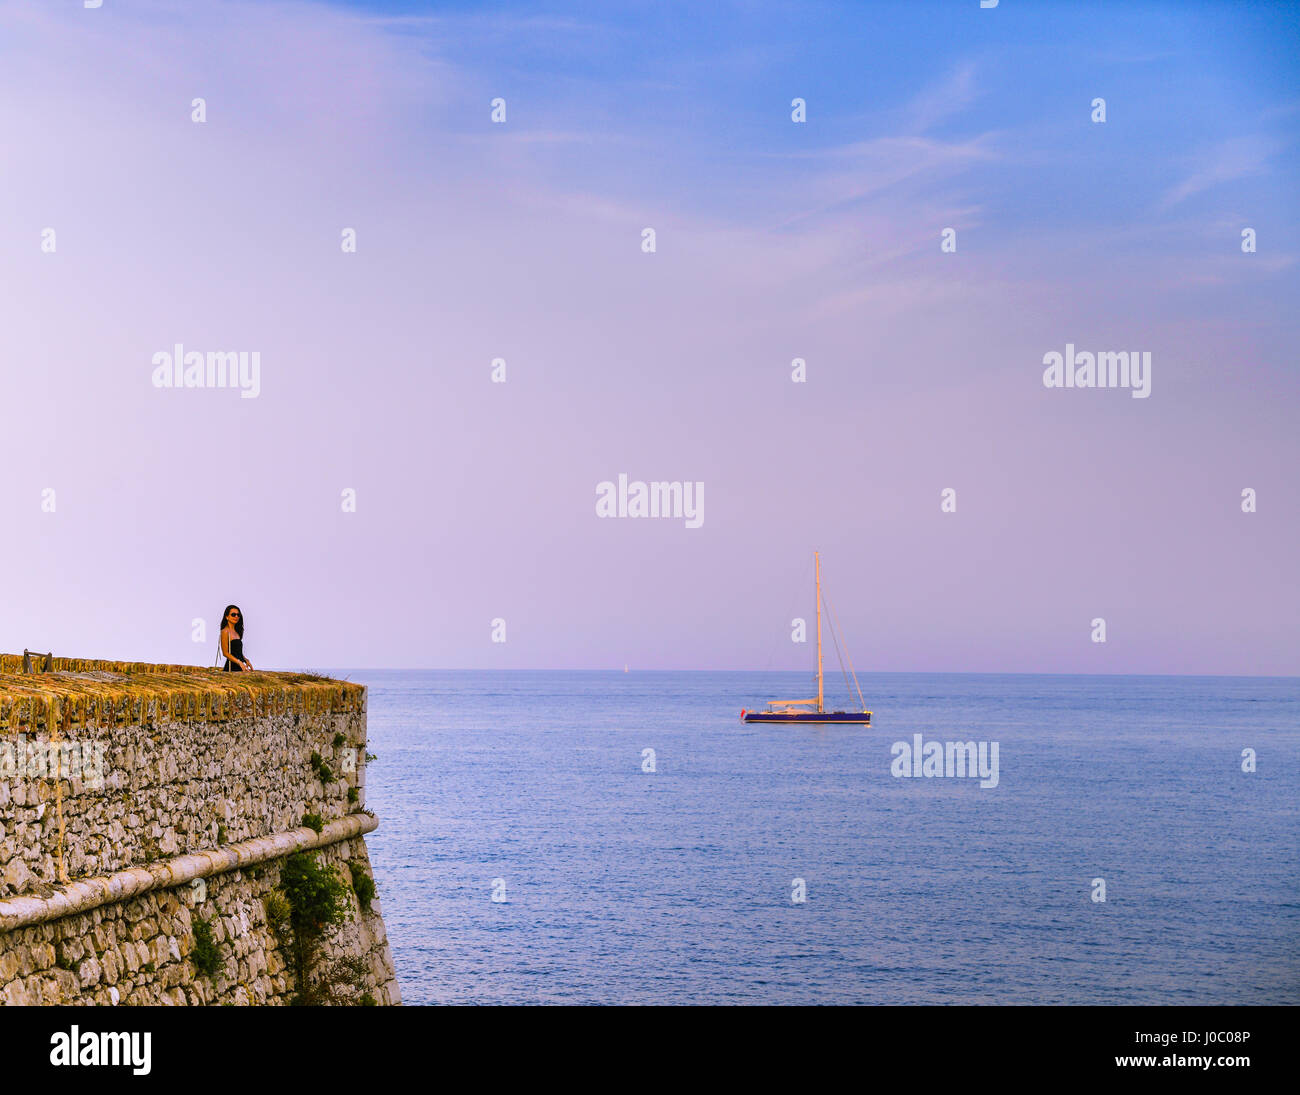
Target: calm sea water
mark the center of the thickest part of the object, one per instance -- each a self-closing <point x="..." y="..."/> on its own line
<point x="675" y="886"/>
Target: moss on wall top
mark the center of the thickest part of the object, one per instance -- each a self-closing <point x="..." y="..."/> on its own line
<point x="82" y="692"/>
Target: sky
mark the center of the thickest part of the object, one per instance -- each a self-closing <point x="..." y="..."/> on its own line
<point x="131" y="510"/>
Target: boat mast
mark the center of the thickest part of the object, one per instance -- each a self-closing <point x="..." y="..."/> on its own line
<point x="817" y="559"/>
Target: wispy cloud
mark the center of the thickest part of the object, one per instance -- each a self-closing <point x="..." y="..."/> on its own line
<point x="1236" y="158"/>
<point x="951" y="96"/>
<point x="856" y="172"/>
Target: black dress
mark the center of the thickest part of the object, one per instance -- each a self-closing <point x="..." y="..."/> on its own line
<point x="236" y="651"/>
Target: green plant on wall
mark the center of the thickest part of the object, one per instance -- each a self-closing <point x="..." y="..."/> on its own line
<point x="206" y="954"/>
<point x="313" y="898"/>
<point x="323" y="771"/>
<point x="362" y="885"/>
<point x="277" y="913"/>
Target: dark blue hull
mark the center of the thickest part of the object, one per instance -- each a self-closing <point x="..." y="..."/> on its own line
<point x="862" y="718"/>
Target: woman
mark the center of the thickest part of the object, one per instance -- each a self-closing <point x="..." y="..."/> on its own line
<point x="232" y="641"/>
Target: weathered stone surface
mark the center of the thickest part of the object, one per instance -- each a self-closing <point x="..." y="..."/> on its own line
<point x="169" y="787"/>
<point x="162" y="971"/>
<point x="103" y="874"/>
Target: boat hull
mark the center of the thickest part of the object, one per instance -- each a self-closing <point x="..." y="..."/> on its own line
<point x="853" y="718"/>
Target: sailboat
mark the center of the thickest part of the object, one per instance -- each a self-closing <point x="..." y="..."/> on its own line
<point x="814" y="710"/>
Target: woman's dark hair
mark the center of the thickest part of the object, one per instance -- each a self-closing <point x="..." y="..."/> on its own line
<point x="239" y="623"/>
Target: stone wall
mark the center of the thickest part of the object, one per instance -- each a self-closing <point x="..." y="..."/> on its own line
<point x="135" y="799"/>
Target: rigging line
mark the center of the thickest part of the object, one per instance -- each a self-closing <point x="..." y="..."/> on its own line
<point x="850" y="657"/>
<point x="838" y="653"/>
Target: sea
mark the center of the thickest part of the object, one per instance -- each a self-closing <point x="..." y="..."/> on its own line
<point x="623" y="838"/>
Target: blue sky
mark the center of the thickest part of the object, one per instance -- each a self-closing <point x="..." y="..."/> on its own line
<point x="928" y="106"/>
<point x="709" y="80"/>
<point x="775" y="240"/>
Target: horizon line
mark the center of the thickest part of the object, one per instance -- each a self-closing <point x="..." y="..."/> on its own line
<point x="868" y="673"/>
